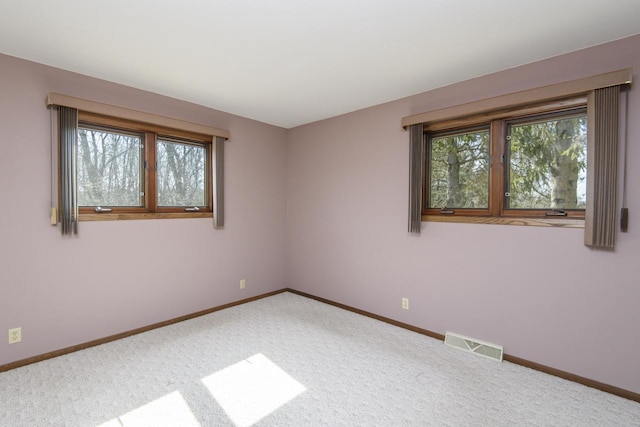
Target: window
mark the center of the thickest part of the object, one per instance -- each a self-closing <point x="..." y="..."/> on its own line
<point x="111" y="162"/>
<point x="524" y="163"/>
<point x="110" y="168"/>
<point x="458" y="165"/>
<point x="181" y="173"/>
<point x="546" y="163"/>
<point x="541" y="170"/>
<point x="127" y="169"/>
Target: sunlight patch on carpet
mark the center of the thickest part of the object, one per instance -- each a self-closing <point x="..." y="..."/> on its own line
<point x="170" y="411"/>
<point x="252" y="389"/>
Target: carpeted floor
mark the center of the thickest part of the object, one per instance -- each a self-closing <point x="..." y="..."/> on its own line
<point x="290" y="361"/>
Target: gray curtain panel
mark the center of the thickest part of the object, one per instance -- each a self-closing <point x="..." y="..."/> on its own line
<point x="68" y="130"/>
<point x="602" y="172"/>
<point x="218" y="177"/>
<point x="416" y="165"/>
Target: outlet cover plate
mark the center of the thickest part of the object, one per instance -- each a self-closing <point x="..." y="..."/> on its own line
<point x="15" y="335"/>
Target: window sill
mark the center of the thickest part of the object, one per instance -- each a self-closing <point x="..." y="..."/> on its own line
<point x="146" y="215"/>
<point x="536" y="222"/>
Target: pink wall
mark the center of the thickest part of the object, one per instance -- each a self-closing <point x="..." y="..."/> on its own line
<point x="552" y="300"/>
<point x="107" y="289"/>
<point x="342" y="235"/>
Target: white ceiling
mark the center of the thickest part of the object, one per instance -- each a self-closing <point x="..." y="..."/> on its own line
<point x="291" y="62"/>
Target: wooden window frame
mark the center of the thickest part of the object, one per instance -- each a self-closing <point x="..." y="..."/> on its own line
<point x="573" y="213"/>
<point x="447" y="210"/>
<point x="497" y="122"/>
<point x="151" y="132"/>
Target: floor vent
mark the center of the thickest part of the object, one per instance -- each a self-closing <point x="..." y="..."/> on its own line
<point x="492" y="351"/>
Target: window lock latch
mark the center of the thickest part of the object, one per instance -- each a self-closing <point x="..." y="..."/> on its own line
<point x="100" y="209"/>
<point x="556" y="212"/>
<point x="447" y="211"/>
<point x="193" y="209"/>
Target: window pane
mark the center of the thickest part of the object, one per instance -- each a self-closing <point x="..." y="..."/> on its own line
<point x="181" y="174"/>
<point x="459" y="170"/>
<point x="109" y="165"/>
<point x="547" y="164"/>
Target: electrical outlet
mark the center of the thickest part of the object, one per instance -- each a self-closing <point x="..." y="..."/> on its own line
<point x="15" y="335"/>
<point x="243" y="283"/>
<point x="405" y="303"/>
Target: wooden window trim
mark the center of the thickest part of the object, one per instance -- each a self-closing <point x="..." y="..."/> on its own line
<point x="506" y="114"/>
<point x="108" y="127"/>
<point x="132" y="125"/>
<point x="99" y="108"/>
<point x="208" y="168"/>
<point x="151" y="132"/>
<point x="472" y="126"/>
<point x="539" y="222"/>
<point x="144" y="215"/>
<point x="580" y="87"/>
<point x="580" y="108"/>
